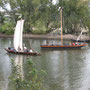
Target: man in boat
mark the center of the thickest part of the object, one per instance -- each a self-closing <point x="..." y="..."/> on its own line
<point x="76" y="43"/>
<point x="30" y="50"/>
<point x="19" y="49"/>
<point x="25" y="49"/>
<point x="11" y="49"/>
<point x="73" y="44"/>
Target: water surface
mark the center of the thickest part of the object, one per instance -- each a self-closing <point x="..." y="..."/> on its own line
<point x="66" y="69"/>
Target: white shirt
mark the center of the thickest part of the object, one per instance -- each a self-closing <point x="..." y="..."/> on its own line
<point x="31" y="50"/>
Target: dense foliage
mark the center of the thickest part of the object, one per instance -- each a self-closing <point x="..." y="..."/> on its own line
<point x="42" y="16"/>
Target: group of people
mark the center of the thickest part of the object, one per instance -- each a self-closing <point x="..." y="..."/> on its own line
<point x="11" y="49"/>
<point x="25" y="49"/>
<point x="74" y="43"/>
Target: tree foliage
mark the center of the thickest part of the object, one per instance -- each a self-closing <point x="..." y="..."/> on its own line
<point x="76" y="14"/>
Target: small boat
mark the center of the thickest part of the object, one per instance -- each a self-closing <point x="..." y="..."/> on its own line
<point x="74" y="40"/>
<point x="18" y="41"/>
<point x="22" y="53"/>
<point x="62" y="46"/>
<point x="79" y="38"/>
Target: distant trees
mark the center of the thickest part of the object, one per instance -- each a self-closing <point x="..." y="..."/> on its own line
<point x="2" y="19"/>
<point x="76" y="14"/>
<point x="41" y="16"/>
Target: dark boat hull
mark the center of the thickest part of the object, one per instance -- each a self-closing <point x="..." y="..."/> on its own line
<point x="22" y="53"/>
<point x="88" y="41"/>
<point x="63" y="46"/>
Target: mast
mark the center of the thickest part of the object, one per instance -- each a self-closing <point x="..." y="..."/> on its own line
<point x="61" y="26"/>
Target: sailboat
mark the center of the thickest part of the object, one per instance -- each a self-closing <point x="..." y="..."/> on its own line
<point x="62" y="46"/>
<point x="79" y="38"/>
<point x="18" y="41"/>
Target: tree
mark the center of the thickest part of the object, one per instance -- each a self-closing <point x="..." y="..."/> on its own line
<point x="75" y="14"/>
<point x="2" y="18"/>
<point x="31" y="10"/>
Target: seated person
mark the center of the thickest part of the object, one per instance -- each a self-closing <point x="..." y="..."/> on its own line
<point x="9" y="48"/>
<point x="73" y="44"/>
<point x="76" y="43"/>
<point x="30" y="50"/>
<point x="12" y="49"/>
<point x="25" y="49"/>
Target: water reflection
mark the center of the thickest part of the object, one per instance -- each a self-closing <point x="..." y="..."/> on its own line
<point x="19" y="62"/>
<point x="65" y="69"/>
<point x="54" y="67"/>
<point x="5" y="66"/>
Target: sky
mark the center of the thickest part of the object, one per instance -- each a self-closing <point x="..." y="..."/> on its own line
<point x="8" y="6"/>
<point x="54" y="1"/>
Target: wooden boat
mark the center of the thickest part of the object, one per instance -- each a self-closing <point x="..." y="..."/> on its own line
<point x="22" y="53"/>
<point x="18" y="41"/>
<point x="62" y="46"/>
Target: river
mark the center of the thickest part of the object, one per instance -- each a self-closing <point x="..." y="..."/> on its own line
<point x="66" y="69"/>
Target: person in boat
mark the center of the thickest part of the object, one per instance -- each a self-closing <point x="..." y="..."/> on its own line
<point x="73" y="44"/>
<point x="76" y="43"/>
<point x="31" y="50"/>
<point x="11" y="49"/>
<point x="25" y="49"/>
<point x="70" y="43"/>
<point x="19" y="49"/>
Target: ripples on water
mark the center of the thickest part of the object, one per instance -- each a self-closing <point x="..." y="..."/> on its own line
<point x="66" y="69"/>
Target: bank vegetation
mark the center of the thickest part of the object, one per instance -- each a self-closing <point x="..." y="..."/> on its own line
<point x="42" y="16"/>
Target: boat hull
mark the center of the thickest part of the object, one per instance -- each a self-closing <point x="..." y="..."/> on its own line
<point x="88" y="41"/>
<point x="22" y="53"/>
<point x="63" y="46"/>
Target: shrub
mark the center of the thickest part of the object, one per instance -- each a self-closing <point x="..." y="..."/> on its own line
<point x="7" y="28"/>
<point x="39" y="27"/>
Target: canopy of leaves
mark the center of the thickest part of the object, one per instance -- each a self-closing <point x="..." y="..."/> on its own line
<point x="76" y="13"/>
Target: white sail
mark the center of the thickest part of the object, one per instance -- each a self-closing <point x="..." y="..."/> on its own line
<point x="79" y="35"/>
<point x="18" y="35"/>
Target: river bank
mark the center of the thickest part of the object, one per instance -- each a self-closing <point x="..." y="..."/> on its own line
<point x="49" y="36"/>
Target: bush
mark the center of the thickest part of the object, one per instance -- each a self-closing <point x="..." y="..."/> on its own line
<point x="7" y="28"/>
<point x="39" y="28"/>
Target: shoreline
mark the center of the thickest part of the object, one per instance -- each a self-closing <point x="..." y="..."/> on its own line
<point x="48" y="36"/>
